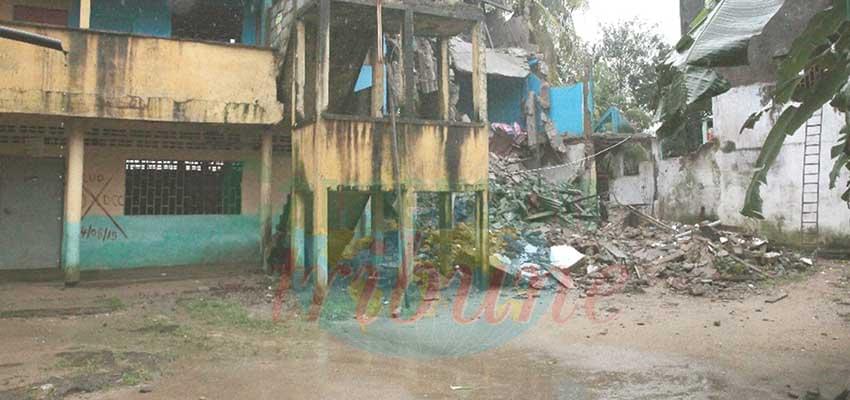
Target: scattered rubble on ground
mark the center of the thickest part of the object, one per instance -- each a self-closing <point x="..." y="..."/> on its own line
<point x="550" y="236"/>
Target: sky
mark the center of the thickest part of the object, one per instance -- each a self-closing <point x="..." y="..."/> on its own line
<point x="665" y="13"/>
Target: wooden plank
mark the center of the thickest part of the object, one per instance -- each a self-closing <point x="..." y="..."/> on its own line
<point x="407" y="49"/>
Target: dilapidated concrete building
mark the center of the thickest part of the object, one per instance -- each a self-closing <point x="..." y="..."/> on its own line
<point x="169" y="133"/>
<point x="149" y="142"/>
<point x="344" y="158"/>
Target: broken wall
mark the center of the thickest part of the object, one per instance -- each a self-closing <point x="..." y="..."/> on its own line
<point x="713" y="181"/>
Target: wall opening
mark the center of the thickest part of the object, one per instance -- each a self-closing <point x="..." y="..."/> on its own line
<point x="168" y="187"/>
<point x="205" y="21"/>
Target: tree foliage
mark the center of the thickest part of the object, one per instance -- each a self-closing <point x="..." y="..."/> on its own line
<point x="625" y="73"/>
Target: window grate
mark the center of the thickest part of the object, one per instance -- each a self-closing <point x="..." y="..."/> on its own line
<point x="169" y="187"/>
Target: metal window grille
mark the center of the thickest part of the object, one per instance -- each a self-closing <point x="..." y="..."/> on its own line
<point x="168" y="187"/>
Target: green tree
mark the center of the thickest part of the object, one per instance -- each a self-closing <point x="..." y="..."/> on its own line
<point x="625" y="72"/>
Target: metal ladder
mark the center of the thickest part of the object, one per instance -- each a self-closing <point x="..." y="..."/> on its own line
<point x="811" y="181"/>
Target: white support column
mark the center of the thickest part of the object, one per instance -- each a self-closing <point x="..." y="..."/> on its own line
<point x="73" y="202"/>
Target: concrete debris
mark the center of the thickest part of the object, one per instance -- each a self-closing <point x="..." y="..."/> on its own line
<point x="617" y="257"/>
<point x="565" y="257"/>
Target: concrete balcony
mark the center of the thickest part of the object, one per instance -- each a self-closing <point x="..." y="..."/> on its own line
<point x="356" y="153"/>
<point x="122" y="76"/>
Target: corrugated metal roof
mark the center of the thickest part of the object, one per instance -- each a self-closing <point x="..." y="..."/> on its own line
<point x="510" y="62"/>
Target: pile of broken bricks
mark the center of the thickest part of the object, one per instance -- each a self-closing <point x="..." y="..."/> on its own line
<point x="634" y="250"/>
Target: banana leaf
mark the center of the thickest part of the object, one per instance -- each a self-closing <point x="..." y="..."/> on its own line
<point x="720" y="40"/>
<point x="825" y="44"/>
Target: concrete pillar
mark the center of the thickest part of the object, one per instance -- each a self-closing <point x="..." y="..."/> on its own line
<point x="444" y="78"/>
<point x="320" y="241"/>
<point x="323" y="57"/>
<point x="377" y="211"/>
<point x="85" y="14"/>
<point x="300" y="74"/>
<point x="407" y="52"/>
<point x="297" y="228"/>
<point x="73" y="202"/>
<point x="479" y="74"/>
<point x="265" y="197"/>
<point x="378" y="65"/>
<point x="406" y="229"/>
<point x="482" y="231"/>
<point x="446" y="221"/>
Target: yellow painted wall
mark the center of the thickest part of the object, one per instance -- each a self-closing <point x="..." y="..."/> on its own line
<point x="141" y="78"/>
<point x="358" y="154"/>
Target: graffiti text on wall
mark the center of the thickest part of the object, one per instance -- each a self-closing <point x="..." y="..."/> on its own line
<point x="106" y="234"/>
<point x="95" y="200"/>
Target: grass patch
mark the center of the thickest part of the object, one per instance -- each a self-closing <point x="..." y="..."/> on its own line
<point x="113" y="303"/>
<point x="223" y="313"/>
<point x="134" y="377"/>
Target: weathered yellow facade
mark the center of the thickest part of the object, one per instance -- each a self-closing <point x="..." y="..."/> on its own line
<point x="122" y="76"/>
<point x="114" y="97"/>
<point x="357" y="154"/>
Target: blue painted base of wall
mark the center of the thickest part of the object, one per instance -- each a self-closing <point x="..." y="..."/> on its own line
<point x="168" y="240"/>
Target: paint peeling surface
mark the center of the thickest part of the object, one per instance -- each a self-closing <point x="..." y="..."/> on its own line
<point x="123" y="76"/>
<point x="358" y="154"/>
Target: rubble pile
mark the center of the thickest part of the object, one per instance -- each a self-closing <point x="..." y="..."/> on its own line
<point x="519" y="199"/>
<point x="549" y="236"/>
<point x="692" y="259"/>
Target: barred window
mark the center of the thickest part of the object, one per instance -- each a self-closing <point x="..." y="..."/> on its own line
<point x="167" y="187"/>
<point x="631" y="166"/>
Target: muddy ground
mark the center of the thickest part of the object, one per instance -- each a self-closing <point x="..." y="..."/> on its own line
<point x="207" y="333"/>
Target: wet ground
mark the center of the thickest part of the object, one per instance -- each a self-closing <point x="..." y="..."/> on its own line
<point x="192" y="333"/>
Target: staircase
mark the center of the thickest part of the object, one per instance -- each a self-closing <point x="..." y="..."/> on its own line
<point x="811" y="181"/>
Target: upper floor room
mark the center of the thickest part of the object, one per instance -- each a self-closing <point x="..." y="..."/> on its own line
<point x="227" y="21"/>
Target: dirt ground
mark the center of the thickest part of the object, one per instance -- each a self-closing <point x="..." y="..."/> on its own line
<point x="207" y="333"/>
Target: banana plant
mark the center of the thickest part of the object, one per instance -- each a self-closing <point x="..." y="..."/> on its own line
<point x="719" y="38"/>
<point x="824" y="46"/>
